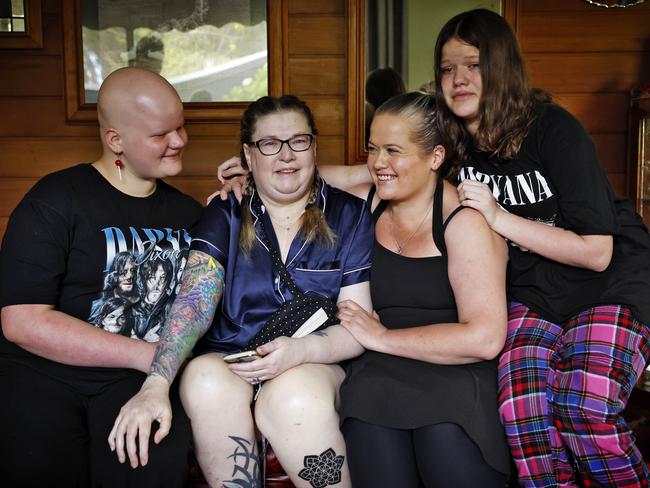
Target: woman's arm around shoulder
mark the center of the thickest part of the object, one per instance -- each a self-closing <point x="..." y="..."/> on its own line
<point x="345" y="177"/>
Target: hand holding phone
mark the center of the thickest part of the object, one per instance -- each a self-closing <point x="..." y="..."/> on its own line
<point x="239" y="357"/>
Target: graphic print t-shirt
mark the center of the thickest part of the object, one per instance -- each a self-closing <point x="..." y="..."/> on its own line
<point x="557" y="180"/>
<point x="79" y="244"/>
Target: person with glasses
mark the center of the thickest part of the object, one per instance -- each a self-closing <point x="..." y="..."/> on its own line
<point x="231" y="287"/>
<point x="419" y="407"/>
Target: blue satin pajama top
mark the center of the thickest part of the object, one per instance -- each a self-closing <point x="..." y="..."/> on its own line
<point x="252" y="286"/>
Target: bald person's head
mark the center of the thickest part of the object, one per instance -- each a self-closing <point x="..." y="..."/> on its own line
<point x="141" y="125"/>
<point x="128" y="92"/>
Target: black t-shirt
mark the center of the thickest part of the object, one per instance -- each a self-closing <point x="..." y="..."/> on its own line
<point x="97" y="254"/>
<point x="558" y="180"/>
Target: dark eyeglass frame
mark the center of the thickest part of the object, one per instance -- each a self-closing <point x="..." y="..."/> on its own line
<point x="282" y="143"/>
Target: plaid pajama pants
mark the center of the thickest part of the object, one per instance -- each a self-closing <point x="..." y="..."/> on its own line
<point x="561" y="391"/>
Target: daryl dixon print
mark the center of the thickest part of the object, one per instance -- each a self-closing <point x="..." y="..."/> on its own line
<point x="142" y="273"/>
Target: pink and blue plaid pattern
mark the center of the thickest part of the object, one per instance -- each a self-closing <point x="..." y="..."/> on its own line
<point x="561" y="391"/>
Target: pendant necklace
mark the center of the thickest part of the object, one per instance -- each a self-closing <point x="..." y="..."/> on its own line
<point x="286" y="227"/>
<point x="400" y="247"/>
<point x="287" y="224"/>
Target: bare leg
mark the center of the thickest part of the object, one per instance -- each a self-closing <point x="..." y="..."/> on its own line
<point x="218" y="405"/>
<point x="297" y="413"/>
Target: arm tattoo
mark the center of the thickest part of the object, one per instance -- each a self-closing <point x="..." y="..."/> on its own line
<point x="191" y="313"/>
<point x="246" y="471"/>
<point x="322" y="470"/>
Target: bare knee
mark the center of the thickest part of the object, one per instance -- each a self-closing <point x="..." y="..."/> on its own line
<point x="307" y="393"/>
<point x="208" y="384"/>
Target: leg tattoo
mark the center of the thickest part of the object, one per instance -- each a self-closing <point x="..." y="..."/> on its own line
<point x="322" y="470"/>
<point x="246" y="472"/>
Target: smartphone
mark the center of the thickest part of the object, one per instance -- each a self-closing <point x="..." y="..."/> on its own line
<point x="239" y="357"/>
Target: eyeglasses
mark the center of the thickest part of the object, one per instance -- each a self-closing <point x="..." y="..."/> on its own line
<point x="272" y="146"/>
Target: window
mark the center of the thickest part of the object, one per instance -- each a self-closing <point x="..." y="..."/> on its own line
<point x="12" y="16"/>
<point x="210" y="50"/>
<point x="214" y="52"/>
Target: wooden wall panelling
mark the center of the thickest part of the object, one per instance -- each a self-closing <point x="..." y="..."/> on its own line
<point x="317" y="69"/>
<point x="587" y="72"/>
<point x="52" y="30"/>
<point x="356" y="79"/>
<point x="330" y="149"/>
<point x="317" y="75"/>
<point x="589" y="58"/>
<point x="24" y="70"/>
<point x="37" y="117"/>
<point x="36" y="156"/>
<point x="199" y="187"/>
<point x="30" y="91"/>
<point x="37" y="140"/>
<point x="329" y="116"/>
<point x="603" y="112"/>
<point x="317" y="7"/>
<point x="204" y="153"/>
<point x="609" y="30"/>
<point x="316" y="34"/>
<point x="278" y="52"/>
<point x="215" y="130"/>
<point x="329" y="113"/>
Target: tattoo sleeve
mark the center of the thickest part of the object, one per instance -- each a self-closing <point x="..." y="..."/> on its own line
<point x="191" y="313"/>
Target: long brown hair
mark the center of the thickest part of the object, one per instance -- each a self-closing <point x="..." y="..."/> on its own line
<point x="507" y="103"/>
<point x="313" y="225"/>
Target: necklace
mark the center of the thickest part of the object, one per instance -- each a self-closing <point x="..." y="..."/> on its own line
<point x="400" y="247"/>
<point x="288" y="223"/>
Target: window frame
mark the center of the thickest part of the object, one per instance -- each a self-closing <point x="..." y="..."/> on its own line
<point x="80" y="111"/>
<point x="32" y="38"/>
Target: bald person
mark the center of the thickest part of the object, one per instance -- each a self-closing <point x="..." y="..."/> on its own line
<point x="72" y="271"/>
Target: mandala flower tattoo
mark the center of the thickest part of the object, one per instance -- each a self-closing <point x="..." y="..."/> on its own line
<point x="322" y="470"/>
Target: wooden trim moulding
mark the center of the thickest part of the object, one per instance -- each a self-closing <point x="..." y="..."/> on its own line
<point x="32" y="38"/>
<point x="356" y="76"/>
<point x="79" y="111"/>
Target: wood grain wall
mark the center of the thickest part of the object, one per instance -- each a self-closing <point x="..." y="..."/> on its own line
<point x="35" y="138"/>
<point x="589" y="58"/>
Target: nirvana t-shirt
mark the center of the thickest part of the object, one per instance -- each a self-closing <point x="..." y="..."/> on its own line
<point x="97" y="254"/>
<point x="558" y="180"/>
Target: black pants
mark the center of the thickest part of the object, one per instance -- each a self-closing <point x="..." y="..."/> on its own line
<point x="53" y="435"/>
<point x="433" y="456"/>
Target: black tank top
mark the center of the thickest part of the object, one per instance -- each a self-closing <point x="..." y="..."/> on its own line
<point x="406" y="393"/>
